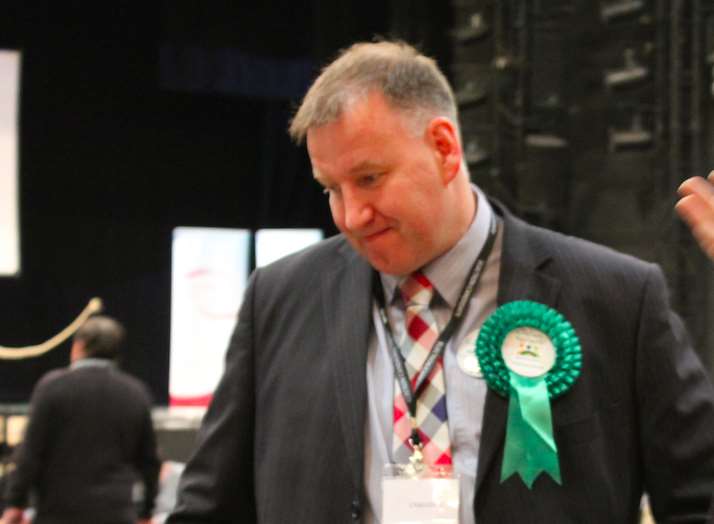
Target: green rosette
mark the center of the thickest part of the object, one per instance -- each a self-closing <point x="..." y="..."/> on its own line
<point x="530" y="447"/>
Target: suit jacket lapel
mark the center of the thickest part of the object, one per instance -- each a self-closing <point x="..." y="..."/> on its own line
<point x="522" y="277"/>
<point x="347" y="307"/>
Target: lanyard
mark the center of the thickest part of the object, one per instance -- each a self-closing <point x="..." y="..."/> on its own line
<point x="400" y="370"/>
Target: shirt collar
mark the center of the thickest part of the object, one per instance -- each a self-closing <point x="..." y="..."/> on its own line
<point x="448" y="271"/>
<point x="92" y="362"/>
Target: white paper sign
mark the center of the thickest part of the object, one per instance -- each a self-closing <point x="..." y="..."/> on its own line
<point x="420" y="501"/>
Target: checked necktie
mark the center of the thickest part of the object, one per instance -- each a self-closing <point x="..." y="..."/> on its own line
<point x="421" y="334"/>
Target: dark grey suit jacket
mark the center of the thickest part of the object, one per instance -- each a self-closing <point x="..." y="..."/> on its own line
<point x="90" y="437"/>
<point x="283" y="441"/>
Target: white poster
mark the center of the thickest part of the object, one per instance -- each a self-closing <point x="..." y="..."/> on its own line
<point x="210" y="269"/>
<point x="9" y="221"/>
<point x="272" y="244"/>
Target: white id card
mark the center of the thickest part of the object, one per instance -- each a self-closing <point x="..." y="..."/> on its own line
<point x="419" y="499"/>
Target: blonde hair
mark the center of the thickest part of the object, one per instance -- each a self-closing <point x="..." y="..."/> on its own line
<point x="409" y="81"/>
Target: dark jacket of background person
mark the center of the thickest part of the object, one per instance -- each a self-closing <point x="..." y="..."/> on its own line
<point x="89" y="433"/>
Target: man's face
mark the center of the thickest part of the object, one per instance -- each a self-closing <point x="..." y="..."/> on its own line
<point x="387" y="185"/>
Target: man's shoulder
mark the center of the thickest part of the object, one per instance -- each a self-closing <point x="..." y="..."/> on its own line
<point x="571" y="250"/>
<point x="52" y="379"/>
<point x="52" y="386"/>
<point x="87" y="379"/>
<point x="297" y="279"/>
<point x="129" y="384"/>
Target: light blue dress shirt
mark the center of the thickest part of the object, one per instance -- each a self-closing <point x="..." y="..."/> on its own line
<point x="465" y="395"/>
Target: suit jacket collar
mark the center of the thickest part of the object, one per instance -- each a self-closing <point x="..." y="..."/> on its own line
<point x="523" y="276"/>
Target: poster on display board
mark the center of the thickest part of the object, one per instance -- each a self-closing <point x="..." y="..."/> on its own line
<point x="209" y="273"/>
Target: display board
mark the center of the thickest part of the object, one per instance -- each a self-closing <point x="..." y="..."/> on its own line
<point x="9" y="207"/>
<point x="210" y="270"/>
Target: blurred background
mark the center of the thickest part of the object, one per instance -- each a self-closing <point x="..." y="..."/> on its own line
<point x="139" y="117"/>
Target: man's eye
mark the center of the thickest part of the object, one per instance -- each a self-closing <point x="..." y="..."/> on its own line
<point x="368" y="180"/>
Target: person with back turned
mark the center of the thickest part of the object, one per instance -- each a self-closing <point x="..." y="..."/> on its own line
<point x="89" y="438"/>
<point x="441" y="360"/>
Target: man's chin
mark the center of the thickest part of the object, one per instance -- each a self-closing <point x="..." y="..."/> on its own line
<point x="388" y="266"/>
<point x="381" y="262"/>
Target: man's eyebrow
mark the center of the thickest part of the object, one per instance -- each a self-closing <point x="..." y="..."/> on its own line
<point x="367" y="165"/>
<point x="362" y="167"/>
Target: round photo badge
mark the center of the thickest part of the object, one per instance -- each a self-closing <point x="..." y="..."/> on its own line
<point x="530" y="354"/>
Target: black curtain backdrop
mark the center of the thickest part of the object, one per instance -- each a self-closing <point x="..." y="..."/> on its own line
<point x="137" y="117"/>
<point x="133" y="122"/>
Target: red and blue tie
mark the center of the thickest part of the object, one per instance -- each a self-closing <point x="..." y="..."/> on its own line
<point x="431" y="415"/>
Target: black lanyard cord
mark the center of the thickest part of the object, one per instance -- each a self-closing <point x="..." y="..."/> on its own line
<point x="411" y="395"/>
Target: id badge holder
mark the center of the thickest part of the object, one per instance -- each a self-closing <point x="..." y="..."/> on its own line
<point x="416" y="493"/>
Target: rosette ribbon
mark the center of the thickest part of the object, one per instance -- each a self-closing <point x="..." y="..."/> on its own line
<point x="530" y="447"/>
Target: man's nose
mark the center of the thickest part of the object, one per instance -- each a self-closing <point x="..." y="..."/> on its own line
<point x="358" y="212"/>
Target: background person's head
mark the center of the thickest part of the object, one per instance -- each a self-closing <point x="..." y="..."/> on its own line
<point x="381" y="132"/>
<point x="99" y="337"/>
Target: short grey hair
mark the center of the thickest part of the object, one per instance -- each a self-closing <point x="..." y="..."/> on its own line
<point x="102" y="337"/>
<point x="410" y="82"/>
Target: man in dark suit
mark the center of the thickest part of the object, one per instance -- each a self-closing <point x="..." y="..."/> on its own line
<point x="301" y="423"/>
<point x="89" y="436"/>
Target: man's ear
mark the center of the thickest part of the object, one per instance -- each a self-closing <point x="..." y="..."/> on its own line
<point x="444" y="138"/>
<point x="77" y="351"/>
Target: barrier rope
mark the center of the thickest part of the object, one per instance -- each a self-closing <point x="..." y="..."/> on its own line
<point x="94" y="306"/>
